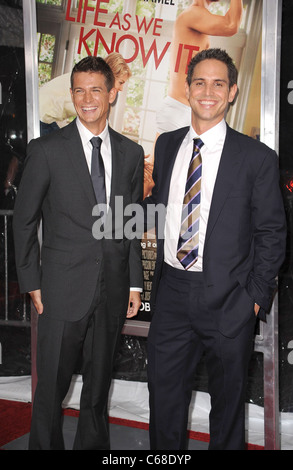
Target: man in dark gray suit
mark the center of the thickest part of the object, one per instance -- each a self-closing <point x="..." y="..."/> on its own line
<point x="82" y="284"/>
<point x="208" y="290"/>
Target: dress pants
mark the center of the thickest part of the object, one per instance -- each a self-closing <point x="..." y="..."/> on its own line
<point x="61" y="345"/>
<point x="182" y="329"/>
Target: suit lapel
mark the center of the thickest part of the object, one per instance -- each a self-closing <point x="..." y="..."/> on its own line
<point x="76" y="155"/>
<point x="74" y="150"/>
<point x="229" y="164"/>
<point x="117" y="150"/>
<point x="171" y="152"/>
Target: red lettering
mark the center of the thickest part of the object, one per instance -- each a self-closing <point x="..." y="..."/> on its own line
<point x="67" y="17"/>
<point x="115" y="21"/>
<point x="191" y="49"/>
<point x="79" y="12"/>
<point x="157" y="20"/>
<point x="100" y="10"/>
<point x="83" y="8"/>
<point x="146" y="26"/>
<point x="178" y="59"/>
<point x="126" y="28"/>
<point x="152" y="49"/>
<point x="86" y="8"/>
<point x="82" y="40"/>
<point x="136" y="46"/>
<point x="99" y="37"/>
<point x="143" y="24"/>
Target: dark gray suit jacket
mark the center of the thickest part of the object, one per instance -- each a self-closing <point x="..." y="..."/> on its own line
<point x="246" y="232"/>
<point x="57" y="185"/>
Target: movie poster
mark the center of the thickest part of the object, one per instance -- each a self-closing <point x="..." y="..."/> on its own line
<point x="156" y="39"/>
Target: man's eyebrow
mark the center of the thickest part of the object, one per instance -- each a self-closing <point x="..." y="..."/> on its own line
<point x="215" y="79"/>
<point x="91" y="88"/>
<point x="221" y="80"/>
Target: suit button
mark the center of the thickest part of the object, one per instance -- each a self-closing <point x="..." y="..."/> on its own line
<point x="97" y="261"/>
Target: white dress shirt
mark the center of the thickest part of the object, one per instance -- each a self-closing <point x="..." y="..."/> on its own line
<point x="106" y="153"/>
<point x="211" y="153"/>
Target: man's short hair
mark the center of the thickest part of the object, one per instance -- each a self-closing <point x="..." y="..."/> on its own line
<point x="94" y="64"/>
<point x="218" y="54"/>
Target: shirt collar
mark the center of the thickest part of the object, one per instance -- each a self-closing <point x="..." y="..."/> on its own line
<point x="86" y="134"/>
<point x="211" y="137"/>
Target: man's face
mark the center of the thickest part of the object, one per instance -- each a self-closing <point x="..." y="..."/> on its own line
<point x="91" y="99"/>
<point x="209" y="94"/>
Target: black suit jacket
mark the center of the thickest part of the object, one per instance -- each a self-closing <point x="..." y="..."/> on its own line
<point x="246" y="231"/>
<point x="57" y="185"/>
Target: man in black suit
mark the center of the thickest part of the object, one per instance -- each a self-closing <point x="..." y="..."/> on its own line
<point x="83" y="284"/>
<point x="208" y="291"/>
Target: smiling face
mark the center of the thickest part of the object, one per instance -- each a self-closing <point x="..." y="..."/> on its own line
<point x="91" y="99"/>
<point x="209" y="94"/>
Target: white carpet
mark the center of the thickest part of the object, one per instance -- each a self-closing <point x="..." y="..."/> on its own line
<point x="129" y="400"/>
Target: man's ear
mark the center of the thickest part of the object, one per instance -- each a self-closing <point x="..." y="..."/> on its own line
<point x="233" y="93"/>
<point x="112" y="95"/>
<point x="186" y="90"/>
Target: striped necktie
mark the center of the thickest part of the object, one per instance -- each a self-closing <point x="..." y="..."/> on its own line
<point x="98" y="171"/>
<point x="187" y="250"/>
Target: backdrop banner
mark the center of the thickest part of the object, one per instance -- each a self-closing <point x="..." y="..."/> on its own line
<point x="157" y="40"/>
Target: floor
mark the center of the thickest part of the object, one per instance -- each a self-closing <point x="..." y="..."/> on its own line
<point x="122" y="438"/>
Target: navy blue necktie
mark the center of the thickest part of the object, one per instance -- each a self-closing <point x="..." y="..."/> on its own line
<point x="187" y="250"/>
<point x="98" y="171"/>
